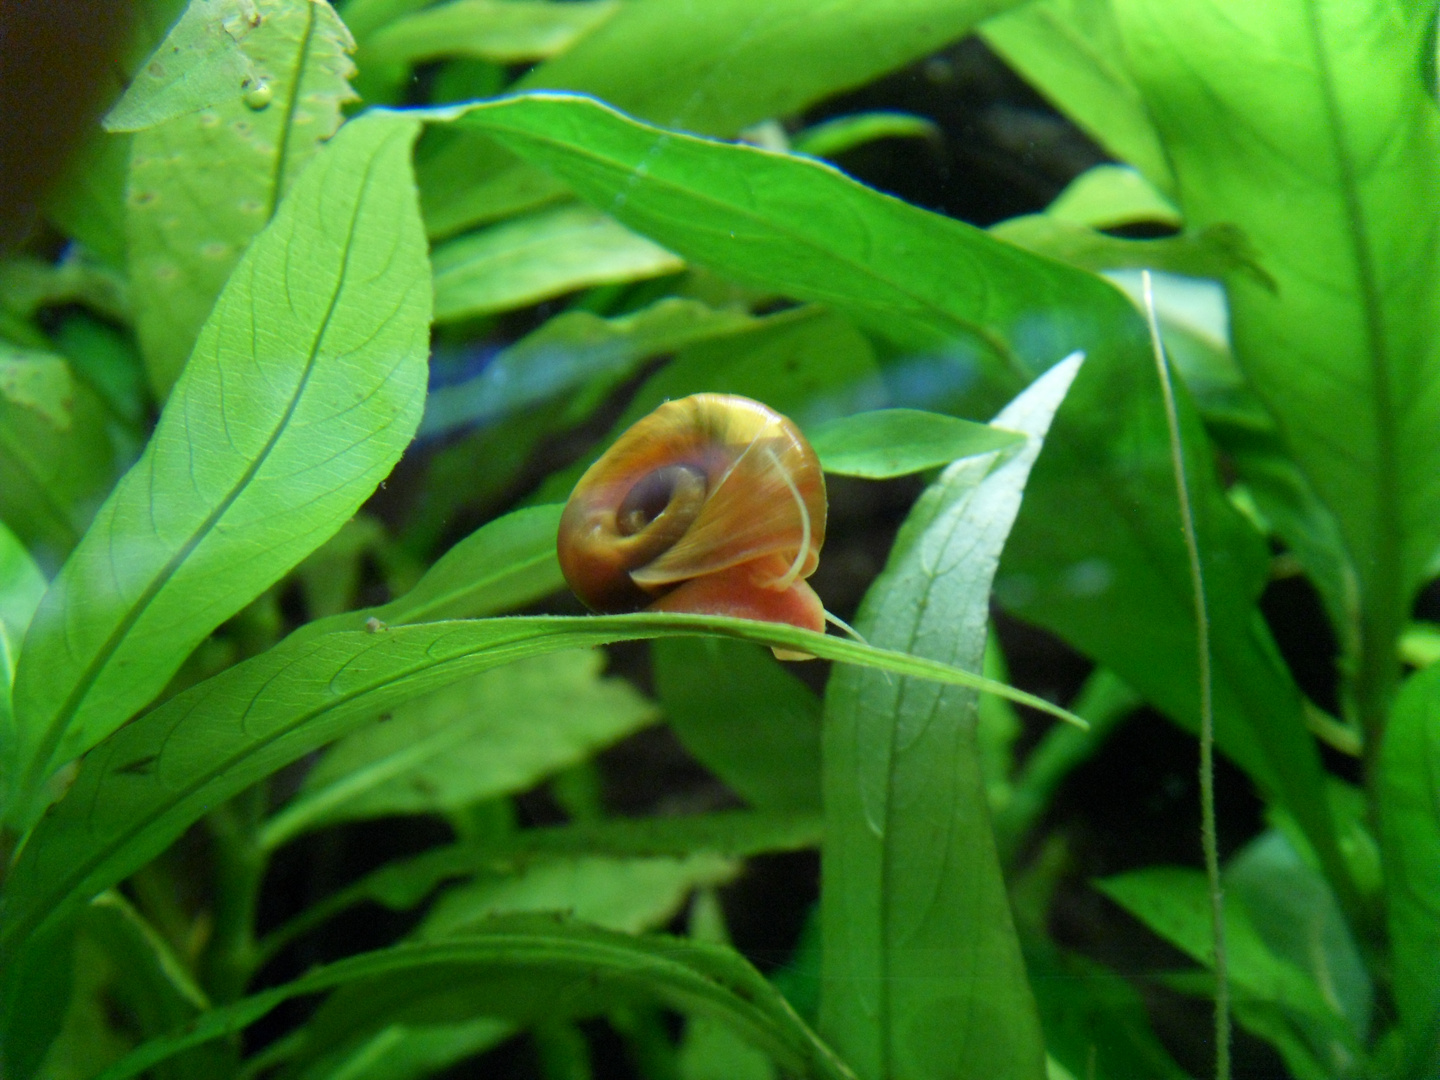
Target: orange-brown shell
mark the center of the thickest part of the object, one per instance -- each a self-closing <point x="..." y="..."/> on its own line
<point x="713" y="504"/>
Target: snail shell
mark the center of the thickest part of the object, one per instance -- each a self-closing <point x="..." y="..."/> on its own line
<point x="713" y="504"/>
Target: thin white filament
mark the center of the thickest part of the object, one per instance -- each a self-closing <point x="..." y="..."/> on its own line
<point x="794" y="571"/>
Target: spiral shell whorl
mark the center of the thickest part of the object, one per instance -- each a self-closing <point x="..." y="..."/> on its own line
<point x="706" y="485"/>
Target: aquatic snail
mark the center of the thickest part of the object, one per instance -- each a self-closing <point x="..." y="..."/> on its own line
<point x="712" y="504"/>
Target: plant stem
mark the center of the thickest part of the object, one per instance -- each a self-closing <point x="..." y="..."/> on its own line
<point x="239" y="861"/>
<point x="1208" y="837"/>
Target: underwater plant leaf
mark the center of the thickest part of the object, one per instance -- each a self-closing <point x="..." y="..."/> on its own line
<point x="526" y="967"/>
<point x="1071" y="51"/>
<point x="1097" y="554"/>
<point x="200" y="63"/>
<point x="679" y="66"/>
<point x="1410" y="840"/>
<point x="467" y="181"/>
<point x="203" y="184"/>
<point x="1329" y="164"/>
<point x="571" y="350"/>
<point x="1175" y="903"/>
<point x="501" y="31"/>
<point x="549" y="253"/>
<point x="626" y="894"/>
<point x="273" y="439"/>
<point x="498" y="733"/>
<point x="832" y="137"/>
<point x="1210" y="252"/>
<point x="57" y="461"/>
<point x="1109" y="196"/>
<point x="143" y="787"/>
<point x="885" y="443"/>
<point x="922" y="970"/>
<point x="744" y="717"/>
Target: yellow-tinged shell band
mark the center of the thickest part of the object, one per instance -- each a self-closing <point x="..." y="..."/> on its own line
<point x="702" y="485"/>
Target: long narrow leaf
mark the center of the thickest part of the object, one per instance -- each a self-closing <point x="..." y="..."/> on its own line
<point x="139" y="791"/>
<point x="305" y="387"/>
<point x="922" y="969"/>
<point x="528" y="969"/>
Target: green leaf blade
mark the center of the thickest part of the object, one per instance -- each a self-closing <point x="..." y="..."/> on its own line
<point x="529" y="968"/>
<point x="539" y="257"/>
<point x="669" y="64"/>
<point x="1331" y="169"/>
<point x="917" y="919"/>
<point x="896" y="442"/>
<point x="308" y="383"/>
<point x="1410" y="831"/>
<point x="157" y="775"/>
<point x="496" y="734"/>
<point x="184" y="235"/>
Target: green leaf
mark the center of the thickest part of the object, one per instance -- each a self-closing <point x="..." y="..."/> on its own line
<point x="572" y="350"/>
<point x="961" y="306"/>
<point x="21" y="587"/>
<point x="1210" y="252"/>
<point x="87" y="202"/>
<point x="1175" y="903"/>
<point x="408" y="1051"/>
<point x="1409" y="792"/>
<point x="501" y="31"/>
<point x="27" y="285"/>
<point x="202" y="185"/>
<point x="272" y="440"/>
<point x="128" y="986"/>
<point x="710" y="1050"/>
<point x="1295" y="913"/>
<point x="1328" y="168"/>
<point x="527" y="968"/>
<point x="38" y="381"/>
<point x="1071" y="51"/>
<point x="680" y="65"/>
<point x="744" y="717"/>
<point x="159" y="774"/>
<point x="200" y="63"/>
<point x="776" y="219"/>
<point x="922" y="970"/>
<point x="844" y="133"/>
<point x="404" y="883"/>
<point x="629" y="895"/>
<point x="1095" y="1022"/>
<point x="56" y="458"/>
<point x="466" y="181"/>
<point x="495" y="734"/>
<point x="727" y="834"/>
<point x="535" y="258"/>
<point x="896" y="442"/>
<point x="1109" y="196"/>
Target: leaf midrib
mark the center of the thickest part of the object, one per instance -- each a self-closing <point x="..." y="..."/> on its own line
<point x="287" y="122"/>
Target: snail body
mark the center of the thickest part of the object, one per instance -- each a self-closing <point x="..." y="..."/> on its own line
<point x="712" y="504"/>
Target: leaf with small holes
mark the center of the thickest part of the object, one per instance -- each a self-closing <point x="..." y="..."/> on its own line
<point x="203" y="184"/>
<point x="307" y="383"/>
